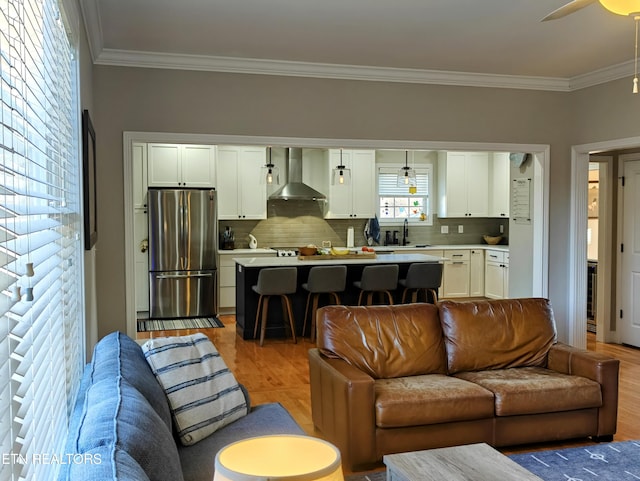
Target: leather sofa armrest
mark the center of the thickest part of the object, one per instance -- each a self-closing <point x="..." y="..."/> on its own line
<point x="596" y="366"/>
<point x="342" y="405"/>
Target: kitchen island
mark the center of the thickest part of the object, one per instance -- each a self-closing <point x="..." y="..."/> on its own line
<point x="248" y="268"/>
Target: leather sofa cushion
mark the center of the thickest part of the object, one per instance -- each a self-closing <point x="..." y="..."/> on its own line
<point x="384" y="341"/>
<point x="429" y="399"/>
<point x="497" y="334"/>
<point x="533" y="390"/>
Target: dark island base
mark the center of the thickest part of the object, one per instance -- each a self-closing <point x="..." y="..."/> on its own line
<point x="247" y="300"/>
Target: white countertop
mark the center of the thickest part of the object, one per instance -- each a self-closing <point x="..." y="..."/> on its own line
<point x="442" y="247"/>
<point x="262" y="250"/>
<point x="295" y="262"/>
<point x="238" y="252"/>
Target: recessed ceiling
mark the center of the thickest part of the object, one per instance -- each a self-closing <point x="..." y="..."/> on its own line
<point x="476" y="37"/>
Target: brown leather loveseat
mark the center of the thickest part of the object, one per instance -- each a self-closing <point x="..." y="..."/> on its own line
<point x="388" y="379"/>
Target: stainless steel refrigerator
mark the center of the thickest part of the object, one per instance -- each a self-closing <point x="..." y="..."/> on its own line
<point x="183" y="237"/>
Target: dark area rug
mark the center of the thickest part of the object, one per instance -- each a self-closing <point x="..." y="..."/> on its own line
<point x="602" y="462"/>
<point x="617" y="461"/>
<point x="145" y="325"/>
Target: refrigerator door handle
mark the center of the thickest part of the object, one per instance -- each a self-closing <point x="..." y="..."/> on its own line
<point x="183" y="276"/>
<point x="183" y="229"/>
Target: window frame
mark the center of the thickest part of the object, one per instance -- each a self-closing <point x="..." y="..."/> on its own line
<point x="422" y="167"/>
<point x="43" y="346"/>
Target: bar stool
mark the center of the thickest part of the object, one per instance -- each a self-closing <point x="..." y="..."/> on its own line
<point x="423" y="276"/>
<point x="322" y="280"/>
<point x="382" y="279"/>
<point x="276" y="281"/>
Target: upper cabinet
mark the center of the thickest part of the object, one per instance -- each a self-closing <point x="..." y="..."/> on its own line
<point x="176" y="165"/>
<point x="463" y="184"/>
<point x="356" y="199"/>
<point x="499" y="185"/>
<point x="241" y="192"/>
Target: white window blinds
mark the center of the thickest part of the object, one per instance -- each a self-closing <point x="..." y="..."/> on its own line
<point x="41" y="323"/>
<point x="397" y="203"/>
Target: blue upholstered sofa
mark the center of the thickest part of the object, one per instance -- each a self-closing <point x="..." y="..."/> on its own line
<point x="121" y="426"/>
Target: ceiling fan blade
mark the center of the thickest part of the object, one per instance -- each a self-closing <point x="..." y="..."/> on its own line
<point x="568" y="9"/>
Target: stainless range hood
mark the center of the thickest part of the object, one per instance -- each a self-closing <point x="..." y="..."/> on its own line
<point x="294" y="189"/>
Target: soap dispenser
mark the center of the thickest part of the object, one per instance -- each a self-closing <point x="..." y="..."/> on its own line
<point x="253" y="242"/>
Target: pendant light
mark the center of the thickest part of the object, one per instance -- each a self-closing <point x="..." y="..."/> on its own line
<point x="341" y="174"/>
<point x="636" y="18"/>
<point x="406" y="174"/>
<point x="270" y="172"/>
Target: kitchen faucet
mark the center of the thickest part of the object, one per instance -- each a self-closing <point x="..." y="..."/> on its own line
<point x="405" y="232"/>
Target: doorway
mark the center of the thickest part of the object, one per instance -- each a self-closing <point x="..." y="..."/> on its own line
<point x="609" y="272"/>
<point x="593" y="219"/>
<point x="534" y="265"/>
<point x="629" y="265"/>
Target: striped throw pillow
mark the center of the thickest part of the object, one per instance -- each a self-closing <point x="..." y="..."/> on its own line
<point x="203" y="393"/>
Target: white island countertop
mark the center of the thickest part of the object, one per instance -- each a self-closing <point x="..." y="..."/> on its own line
<point x="295" y="262"/>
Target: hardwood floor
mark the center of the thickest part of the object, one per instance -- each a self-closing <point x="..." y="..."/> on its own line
<point x="279" y="372"/>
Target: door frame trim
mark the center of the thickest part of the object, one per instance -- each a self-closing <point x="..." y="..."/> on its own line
<point x="540" y="199"/>
<point x="577" y="302"/>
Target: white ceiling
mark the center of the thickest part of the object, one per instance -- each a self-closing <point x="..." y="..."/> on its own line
<point x="473" y="42"/>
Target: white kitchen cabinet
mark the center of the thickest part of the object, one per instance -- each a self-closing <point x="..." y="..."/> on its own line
<point x="499" y="185"/>
<point x="140" y="226"/>
<point x="463" y="184"/>
<point x="476" y="272"/>
<point x="496" y="274"/>
<point x="356" y="199"/>
<point x="139" y="177"/>
<point x="241" y="194"/>
<point x="177" y="165"/>
<point x="141" y="259"/>
<point x="227" y="278"/>
<point x="456" y="273"/>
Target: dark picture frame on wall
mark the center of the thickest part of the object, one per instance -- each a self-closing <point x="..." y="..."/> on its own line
<point x="89" y="190"/>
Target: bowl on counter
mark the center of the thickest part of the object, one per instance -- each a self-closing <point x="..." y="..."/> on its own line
<point x="307" y="251"/>
<point x="492" y="239"/>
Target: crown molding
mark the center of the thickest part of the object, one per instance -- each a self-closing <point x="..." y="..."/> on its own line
<point x="93" y="27"/>
<point x="129" y="58"/>
<point x="601" y="76"/>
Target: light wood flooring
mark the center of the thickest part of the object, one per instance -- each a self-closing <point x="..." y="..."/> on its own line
<point x="279" y="372"/>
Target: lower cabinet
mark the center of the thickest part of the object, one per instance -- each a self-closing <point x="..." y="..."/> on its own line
<point x="455" y="277"/>
<point x="141" y="258"/>
<point x="476" y="273"/>
<point x="227" y="279"/>
<point x="496" y="274"/>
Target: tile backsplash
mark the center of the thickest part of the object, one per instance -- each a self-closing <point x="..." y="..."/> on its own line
<point x="298" y="223"/>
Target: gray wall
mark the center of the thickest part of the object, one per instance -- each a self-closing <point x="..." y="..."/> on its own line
<point x="90" y="285"/>
<point x="153" y="100"/>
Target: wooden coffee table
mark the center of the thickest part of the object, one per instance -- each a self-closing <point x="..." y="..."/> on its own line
<point x="472" y="462"/>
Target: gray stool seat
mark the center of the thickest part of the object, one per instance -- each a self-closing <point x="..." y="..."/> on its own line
<point x="381" y="279"/>
<point x="322" y="280"/>
<point x="276" y="281"/>
<point x="422" y="277"/>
